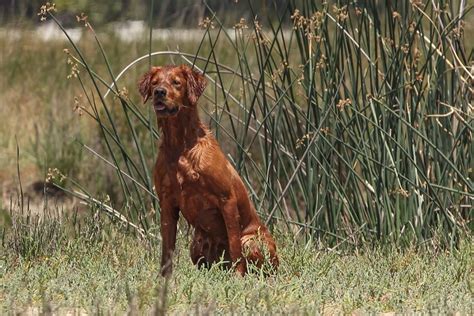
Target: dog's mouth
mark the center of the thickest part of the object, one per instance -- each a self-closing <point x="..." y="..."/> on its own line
<point x="162" y="110"/>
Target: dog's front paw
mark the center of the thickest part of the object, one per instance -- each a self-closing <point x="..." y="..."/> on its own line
<point x="240" y="269"/>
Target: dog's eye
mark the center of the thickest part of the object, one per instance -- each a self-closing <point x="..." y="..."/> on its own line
<point x="176" y="82"/>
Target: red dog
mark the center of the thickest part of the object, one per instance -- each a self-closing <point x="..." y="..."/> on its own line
<point x="193" y="176"/>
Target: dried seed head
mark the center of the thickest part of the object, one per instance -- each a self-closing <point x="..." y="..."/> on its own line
<point x="341" y="13"/>
<point x="257" y="26"/>
<point x="74" y="69"/>
<point x="325" y="130"/>
<point x="123" y="93"/>
<point x="405" y="48"/>
<point x="241" y="25"/>
<point x="298" y="19"/>
<point x="54" y="175"/>
<point x="79" y="106"/>
<point x="300" y="142"/>
<point x="45" y="9"/>
<point x="400" y="191"/>
<point x="206" y="23"/>
<point x="458" y="31"/>
<point x="83" y="18"/>
<point x="417" y="4"/>
<point x="396" y="15"/>
<point x="309" y="25"/>
<point x="343" y="103"/>
<point x="322" y="62"/>
<point x="389" y="41"/>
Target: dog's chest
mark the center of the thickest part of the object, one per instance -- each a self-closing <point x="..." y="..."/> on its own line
<point x="188" y="188"/>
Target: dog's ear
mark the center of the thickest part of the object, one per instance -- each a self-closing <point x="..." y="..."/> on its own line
<point x="196" y="83"/>
<point x="144" y="84"/>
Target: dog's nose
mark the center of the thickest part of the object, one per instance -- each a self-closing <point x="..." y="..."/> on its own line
<point x="160" y="92"/>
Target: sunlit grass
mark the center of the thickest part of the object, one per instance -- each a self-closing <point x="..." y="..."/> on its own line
<point x="90" y="265"/>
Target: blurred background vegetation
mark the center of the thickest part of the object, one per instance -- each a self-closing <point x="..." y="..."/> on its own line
<point x="167" y="13"/>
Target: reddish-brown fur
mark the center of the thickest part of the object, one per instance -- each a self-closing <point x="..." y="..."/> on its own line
<point x="192" y="176"/>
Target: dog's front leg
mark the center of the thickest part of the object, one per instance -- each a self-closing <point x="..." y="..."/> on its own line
<point x="232" y="224"/>
<point x="169" y="222"/>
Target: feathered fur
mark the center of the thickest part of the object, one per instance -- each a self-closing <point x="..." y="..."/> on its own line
<point x="193" y="177"/>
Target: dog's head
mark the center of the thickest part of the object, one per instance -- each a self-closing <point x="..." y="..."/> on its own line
<point x="171" y="88"/>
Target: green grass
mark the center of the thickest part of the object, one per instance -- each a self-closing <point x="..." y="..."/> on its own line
<point x="94" y="266"/>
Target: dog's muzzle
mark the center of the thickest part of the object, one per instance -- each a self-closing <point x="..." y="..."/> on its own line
<point x="162" y="110"/>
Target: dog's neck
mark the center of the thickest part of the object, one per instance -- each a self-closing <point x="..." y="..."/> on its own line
<point x="181" y="132"/>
